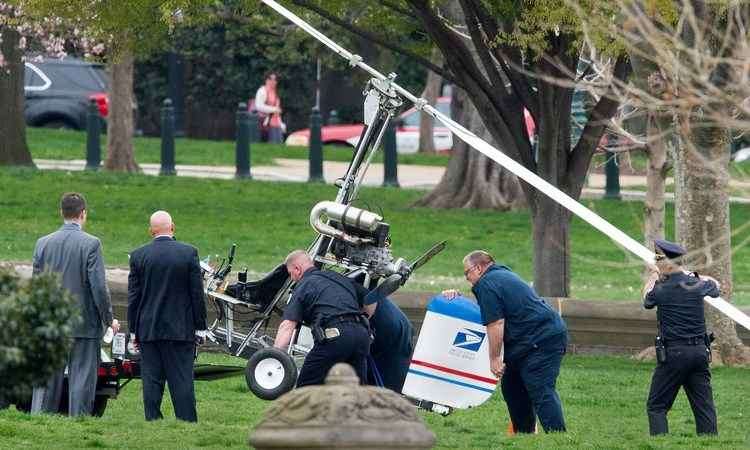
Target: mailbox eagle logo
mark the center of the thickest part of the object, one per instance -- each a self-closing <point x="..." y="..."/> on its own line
<point x="468" y="339"/>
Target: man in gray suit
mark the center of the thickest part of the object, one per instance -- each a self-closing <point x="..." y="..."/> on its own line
<point x="77" y="257"/>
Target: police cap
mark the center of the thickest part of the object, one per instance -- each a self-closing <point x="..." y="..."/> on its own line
<point x="669" y="249"/>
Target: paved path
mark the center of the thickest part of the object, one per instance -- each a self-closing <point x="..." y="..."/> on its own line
<point x="409" y="176"/>
<point x="296" y="170"/>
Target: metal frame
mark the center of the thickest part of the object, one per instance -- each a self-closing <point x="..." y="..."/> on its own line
<point x="382" y="103"/>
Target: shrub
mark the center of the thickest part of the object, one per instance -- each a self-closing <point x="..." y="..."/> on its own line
<point x="36" y="323"/>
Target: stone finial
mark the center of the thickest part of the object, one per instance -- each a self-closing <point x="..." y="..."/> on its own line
<point x="341" y="415"/>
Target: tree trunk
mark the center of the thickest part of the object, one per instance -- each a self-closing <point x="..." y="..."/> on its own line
<point x="472" y="180"/>
<point x="702" y="214"/>
<point x="430" y="93"/>
<point x="551" y="226"/>
<point x="657" y="136"/>
<point x="120" y="120"/>
<point x="13" y="148"/>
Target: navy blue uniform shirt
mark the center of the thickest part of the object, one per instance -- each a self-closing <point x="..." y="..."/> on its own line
<point x="321" y="295"/>
<point x="393" y="331"/>
<point x="679" y="298"/>
<point x="529" y="320"/>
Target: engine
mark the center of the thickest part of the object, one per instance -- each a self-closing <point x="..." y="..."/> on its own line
<point x="359" y="237"/>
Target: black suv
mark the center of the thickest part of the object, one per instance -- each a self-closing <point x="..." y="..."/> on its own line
<point x="59" y="90"/>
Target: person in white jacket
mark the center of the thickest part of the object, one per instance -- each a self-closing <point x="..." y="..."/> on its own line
<point x="268" y="106"/>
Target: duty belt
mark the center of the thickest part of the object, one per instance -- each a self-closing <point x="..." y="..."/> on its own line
<point x="698" y="340"/>
<point x="350" y="318"/>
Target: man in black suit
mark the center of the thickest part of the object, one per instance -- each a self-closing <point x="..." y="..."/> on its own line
<point x="167" y="314"/>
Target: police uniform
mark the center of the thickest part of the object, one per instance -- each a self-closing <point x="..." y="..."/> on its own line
<point x="328" y="301"/>
<point x="392" y="347"/>
<point x="683" y="351"/>
<point x="534" y="341"/>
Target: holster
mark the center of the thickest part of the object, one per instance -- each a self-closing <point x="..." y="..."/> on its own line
<point x="708" y="339"/>
<point x="318" y="333"/>
<point x="661" y="350"/>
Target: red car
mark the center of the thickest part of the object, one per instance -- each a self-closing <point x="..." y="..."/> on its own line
<point x="407" y="133"/>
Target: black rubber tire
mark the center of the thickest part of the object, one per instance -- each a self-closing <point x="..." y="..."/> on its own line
<point x="282" y="361"/>
<point x="100" y="405"/>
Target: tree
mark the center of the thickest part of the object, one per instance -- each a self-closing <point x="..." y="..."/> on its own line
<point x="431" y="92"/>
<point x="697" y="54"/>
<point x="120" y="124"/>
<point x="472" y="180"/>
<point x="22" y="32"/>
<point x="13" y="148"/>
<point x="535" y="46"/>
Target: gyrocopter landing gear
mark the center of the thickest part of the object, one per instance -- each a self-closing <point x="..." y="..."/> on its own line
<point x="270" y="373"/>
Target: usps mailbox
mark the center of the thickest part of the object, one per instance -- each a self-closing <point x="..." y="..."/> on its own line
<point x="450" y="365"/>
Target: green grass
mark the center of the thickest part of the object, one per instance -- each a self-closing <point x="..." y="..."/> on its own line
<point x="267" y="220"/>
<point x="68" y="144"/>
<point x="603" y="399"/>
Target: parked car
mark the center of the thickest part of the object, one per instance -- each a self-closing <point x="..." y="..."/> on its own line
<point x="407" y="131"/>
<point x="58" y="92"/>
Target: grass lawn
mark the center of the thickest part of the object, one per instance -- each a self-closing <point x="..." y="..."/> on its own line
<point x="267" y="220"/>
<point x="604" y="400"/>
<point x="69" y="144"/>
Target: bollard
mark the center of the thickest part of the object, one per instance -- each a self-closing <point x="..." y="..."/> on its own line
<point x="333" y="117"/>
<point x="341" y="415"/>
<point x="167" y="139"/>
<point x="612" y="172"/>
<point x="93" y="132"/>
<point x="242" y="148"/>
<point x="316" y="147"/>
<point x="390" y="156"/>
<point x="254" y="131"/>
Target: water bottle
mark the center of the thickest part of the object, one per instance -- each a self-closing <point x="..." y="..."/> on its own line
<point x="108" y="335"/>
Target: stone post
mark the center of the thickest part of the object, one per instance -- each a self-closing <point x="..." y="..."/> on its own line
<point x="341" y="415"/>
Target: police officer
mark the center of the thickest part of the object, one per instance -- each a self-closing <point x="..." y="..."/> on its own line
<point x="328" y="303"/>
<point x="682" y="347"/>
<point x="527" y="342"/>
<point x="391" y="348"/>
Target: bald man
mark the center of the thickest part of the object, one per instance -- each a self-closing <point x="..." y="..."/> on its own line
<point x="328" y="303"/>
<point x="166" y="311"/>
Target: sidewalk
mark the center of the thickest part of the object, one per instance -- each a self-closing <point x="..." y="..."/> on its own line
<point x="295" y="170"/>
<point x="409" y="176"/>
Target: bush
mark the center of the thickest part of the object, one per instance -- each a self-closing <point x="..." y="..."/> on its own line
<point x="37" y="318"/>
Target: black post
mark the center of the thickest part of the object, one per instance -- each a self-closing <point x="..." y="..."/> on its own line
<point x="612" y="171"/>
<point x="316" y="147"/>
<point x="243" y="142"/>
<point x="254" y="132"/>
<point x="176" y="90"/>
<point x="93" y="132"/>
<point x="390" y="156"/>
<point x="167" y="139"/>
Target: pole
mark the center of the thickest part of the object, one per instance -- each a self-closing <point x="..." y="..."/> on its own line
<point x="176" y="90"/>
<point x="242" y="149"/>
<point x="390" y="156"/>
<point x="93" y="132"/>
<point x="612" y="172"/>
<point x="316" y="147"/>
<point x="167" y="139"/>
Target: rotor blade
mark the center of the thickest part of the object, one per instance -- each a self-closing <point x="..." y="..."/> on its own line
<point x="422" y="260"/>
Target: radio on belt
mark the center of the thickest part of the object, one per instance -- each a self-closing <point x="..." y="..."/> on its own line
<point x="450" y="365"/>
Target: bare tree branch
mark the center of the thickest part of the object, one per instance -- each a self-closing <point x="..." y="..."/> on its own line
<point x="508" y="57"/>
<point x="375" y="39"/>
<point x="597" y="122"/>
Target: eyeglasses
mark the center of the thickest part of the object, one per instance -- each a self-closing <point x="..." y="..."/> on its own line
<point x="466" y="272"/>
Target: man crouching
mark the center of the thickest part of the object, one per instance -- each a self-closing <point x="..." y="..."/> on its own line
<point x="327" y="302"/>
